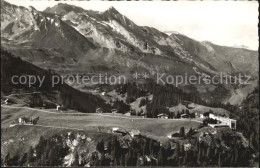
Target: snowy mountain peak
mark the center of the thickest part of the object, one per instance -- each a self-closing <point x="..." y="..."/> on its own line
<point x="241" y="46"/>
<point x="32" y="9"/>
<point x="63" y="8"/>
<point x="171" y="32"/>
<point x="112" y="9"/>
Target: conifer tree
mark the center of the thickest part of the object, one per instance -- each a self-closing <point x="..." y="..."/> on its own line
<point x="30" y="155"/>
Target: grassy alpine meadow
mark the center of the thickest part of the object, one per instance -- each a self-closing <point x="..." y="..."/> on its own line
<point x="154" y="128"/>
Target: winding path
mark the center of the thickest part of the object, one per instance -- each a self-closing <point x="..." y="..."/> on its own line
<point x="30" y="93"/>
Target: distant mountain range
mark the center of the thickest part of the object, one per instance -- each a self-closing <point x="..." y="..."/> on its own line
<point x="71" y="39"/>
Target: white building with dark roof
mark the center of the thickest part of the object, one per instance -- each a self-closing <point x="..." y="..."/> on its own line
<point x="231" y="123"/>
<point x="162" y="116"/>
<point x="134" y="133"/>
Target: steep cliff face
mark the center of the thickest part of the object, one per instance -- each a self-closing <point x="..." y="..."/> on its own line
<point x="18" y="18"/>
<point x="29" y="28"/>
<point x="113" y="30"/>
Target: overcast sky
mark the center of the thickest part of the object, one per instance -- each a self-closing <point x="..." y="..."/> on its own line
<point x="226" y="23"/>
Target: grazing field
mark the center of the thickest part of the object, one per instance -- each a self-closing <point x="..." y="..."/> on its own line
<point x="154" y="128"/>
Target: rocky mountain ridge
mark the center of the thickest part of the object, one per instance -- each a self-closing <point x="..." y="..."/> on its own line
<point x="70" y="39"/>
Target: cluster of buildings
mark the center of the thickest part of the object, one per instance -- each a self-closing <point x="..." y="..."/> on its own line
<point x="99" y="110"/>
<point x="8" y="101"/>
<point x="132" y="133"/>
<point x="60" y="107"/>
<point x="221" y="121"/>
<point x="127" y="136"/>
<point x="165" y="116"/>
<point x="28" y="121"/>
<point x="162" y="116"/>
<point x="113" y="111"/>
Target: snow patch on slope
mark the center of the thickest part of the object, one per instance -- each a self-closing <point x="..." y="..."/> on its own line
<point x="209" y="48"/>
